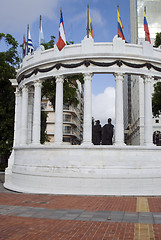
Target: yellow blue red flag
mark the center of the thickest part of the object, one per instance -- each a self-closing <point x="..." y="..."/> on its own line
<point x="146" y="29"/>
<point x="120" y="26"/>
<point x="89" y="25"/>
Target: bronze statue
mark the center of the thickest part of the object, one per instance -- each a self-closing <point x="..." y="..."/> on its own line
<point x="107" y="133"/>
<point x="96" y="133"/>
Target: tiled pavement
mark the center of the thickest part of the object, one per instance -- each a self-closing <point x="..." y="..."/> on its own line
<point x="41" y="217"/>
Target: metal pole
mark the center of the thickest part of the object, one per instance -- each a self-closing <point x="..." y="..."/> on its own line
<point x="88" y="21"/>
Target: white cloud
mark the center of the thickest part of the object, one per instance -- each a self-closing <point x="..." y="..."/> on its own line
<point x="96" y="17"/>
<point x="16" y="14"/>
<point x="78" y="17"/>
<point x="103" y="105"/>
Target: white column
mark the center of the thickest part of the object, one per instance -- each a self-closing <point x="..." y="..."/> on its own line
<point x="87" y="124"/>
<point x="148" y="127"/>
<point x="17" y="123"/>
<point x="119" y="120"/>
<point x="37" y="113"/>
<point x="24" y="112"/>
<point x="58" y="128"/>
<point x="30" y="113"/>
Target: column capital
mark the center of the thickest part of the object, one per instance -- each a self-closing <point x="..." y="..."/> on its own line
<point x="38" y="83"/>
<point x="25" y="88"/>
<point x="87" y="76"/>
<point x="59" y="79"/>
<point x="17" y="92"/>
<point x="148" y="78"/>
<point x="119" y="76"/>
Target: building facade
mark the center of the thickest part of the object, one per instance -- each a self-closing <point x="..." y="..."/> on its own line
<point x="134" y="85"/>
<point x="153" y="10"/>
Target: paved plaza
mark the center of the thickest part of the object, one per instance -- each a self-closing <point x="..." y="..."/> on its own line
<point x="36" y="217"/>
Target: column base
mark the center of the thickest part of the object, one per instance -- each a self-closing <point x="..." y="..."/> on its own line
<point x="36" y="143"/>
<point x="90" y="144"/>
<point x="119" y="144"/>
<point x="149" y="144"/>
<point x="58" y="143"/>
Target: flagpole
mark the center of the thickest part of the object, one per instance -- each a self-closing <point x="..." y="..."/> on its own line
<point x="27" y="38"/>
<point x="40" y="31"/>
<point x="117" y="19"/>
<point x="40" y="22"/>
<point x="60" y="11"/>
<point x="88" y="21"/>
<point x="23" y="46"/>
<point x="145" y="13"/>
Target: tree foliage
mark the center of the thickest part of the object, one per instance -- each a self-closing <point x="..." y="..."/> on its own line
<point x="157" y="41"/>
<point x="156" y="99"/>
<point x="8" y="61"/>
<point x="44" y="136"/>
<point x="49" y="44"/>
<point x="70" y="87"/>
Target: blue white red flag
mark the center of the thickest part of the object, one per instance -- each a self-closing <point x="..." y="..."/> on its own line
<point x="29" y="43"/>
<point x="62" y="40"/>
<point x="24" y="47"/>
<point x="146" y="29"/>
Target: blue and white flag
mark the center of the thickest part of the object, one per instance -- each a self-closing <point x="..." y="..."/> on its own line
<point x="29" y="43"/>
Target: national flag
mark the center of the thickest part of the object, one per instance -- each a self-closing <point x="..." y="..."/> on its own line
<point x="29" y="42"/>
<point x="62" y="40"/>
<point x="146" y="29"/>
<point x="120" y="26"/>
<point x="24" y="47"/>
<point x="41" y="35"/>
<point x="89" y="24"/>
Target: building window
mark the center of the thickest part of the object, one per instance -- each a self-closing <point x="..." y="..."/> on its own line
<point x="66" y="139"/>
<point x="44" y="105"/>
<point x="66" y="129"/>
<point x="66" y="118"/>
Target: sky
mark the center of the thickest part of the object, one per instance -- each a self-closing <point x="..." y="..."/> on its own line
<point x="16" y="14"/>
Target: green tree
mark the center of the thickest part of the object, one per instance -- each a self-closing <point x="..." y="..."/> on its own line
<point x="70" y="87"/>
<point x="44" y="137"/>
<point x="8" y="61"/>
<point x="49" y="44"/>
<point x="157" y="41"/>
<point x="156" y="99"/>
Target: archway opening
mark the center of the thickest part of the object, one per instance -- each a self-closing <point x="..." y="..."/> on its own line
<point x="103" y="97"/>
<point x="103" y="108"/>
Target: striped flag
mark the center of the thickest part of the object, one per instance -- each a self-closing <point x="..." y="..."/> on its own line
<point x="120" y="26"/>
<point x="146" y="29"/>
<point x="89" y="24"/>
<point x="29" y="42"/>
<point x="62" y="40"/>
<point x="41" y="35"/>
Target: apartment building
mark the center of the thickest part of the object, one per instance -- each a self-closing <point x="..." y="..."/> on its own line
<point x="133" y="85"/>
<point x="72" y="120"/>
